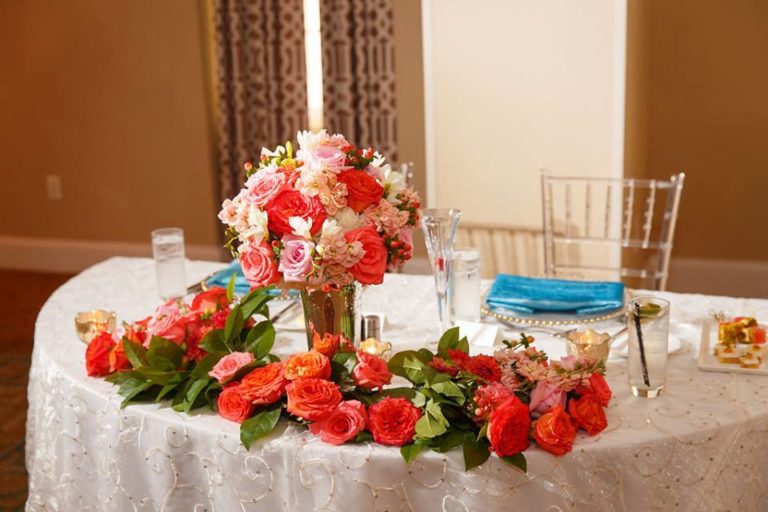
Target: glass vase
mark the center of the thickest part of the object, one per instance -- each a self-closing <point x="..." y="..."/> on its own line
<point x="335" y="312"/>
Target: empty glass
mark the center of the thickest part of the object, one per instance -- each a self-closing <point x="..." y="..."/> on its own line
<point x="465" y="285"/>
<point x="439" y="225"/>
<point x="648" y="328"/>
<point x="168" y="250"/>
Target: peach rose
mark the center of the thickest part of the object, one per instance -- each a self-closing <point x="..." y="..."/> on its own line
<point x="342" y="424"/>
<point x="371" y="267"/>
<point x="97" y="355"/>
<point x="228" y="366"/>
<point x="371" y="371"/>
<point x="312" y="365"/>
<point x="362" y="189"/>
<point x="588" y="414"/>
<point x="327" y="345"/>
<point x="118" y="361"/>
<point x="311" y="399"/>
<point x="264" y="385"/>
<point x="258" y="263"/>
<point x="555" y="432"/>
<point x="233" y="404"/>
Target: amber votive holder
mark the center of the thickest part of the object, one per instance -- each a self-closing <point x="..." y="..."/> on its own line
<point x="589" y="343"/>
<point x="90" y="323"/>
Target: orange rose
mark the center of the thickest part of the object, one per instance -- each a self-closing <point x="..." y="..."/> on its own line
<point x="117" y="358"/>
<point x="371" y="267"/>
<point x="97" y="354"/>
<point x="362" y="189"/>
<point x="264" y="385"/>
<point x="310" y="365"/>
<point x="555" y="432"/>
<point x="233" y="404"/>
<point x="327" y="344"/>
<point x="588" y="413"/>
<point x="312" y="399"/>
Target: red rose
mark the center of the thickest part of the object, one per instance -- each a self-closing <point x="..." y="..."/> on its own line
<point x="555" y="432"/>
<point x="598" y="387"/>
<point x="509" y="427"/>
<point x="371" y="267"/>
<point x="484" y="367"/>
<point x="393" y="421"/>
<point x="118" y="361"/>
<point x="342" y="424"/>
<point x="588" y="414"/>
<point x="211" y="300"/>
<point x="362" y="189"/>
<point x="371" y="371"/>
<point x="258" y="263"/>
<point x="293" y="203"/>
<point x="264" y="385"/>
<point x="97" y="354"/>
<point x="312" y="399"/>
<point x="234" y="405"/>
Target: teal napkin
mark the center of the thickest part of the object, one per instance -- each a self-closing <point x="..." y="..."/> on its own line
<point x="242" y="287"/>
<point x="530" y="295"/>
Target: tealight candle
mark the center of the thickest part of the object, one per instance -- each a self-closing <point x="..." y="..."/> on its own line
<point x="589" y="343"/>
<point x="90" y="323"/>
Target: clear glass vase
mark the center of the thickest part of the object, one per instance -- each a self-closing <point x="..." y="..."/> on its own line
<point x="335" y="312"/>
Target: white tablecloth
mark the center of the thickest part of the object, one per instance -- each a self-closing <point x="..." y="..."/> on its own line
<point x="701" y="446"/>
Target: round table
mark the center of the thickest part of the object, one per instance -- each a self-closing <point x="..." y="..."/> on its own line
<point x="701" y="446"/>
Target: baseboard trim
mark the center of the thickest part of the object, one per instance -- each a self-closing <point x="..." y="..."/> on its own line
<point x="719" y="277"/>
<point x="71" y="256"/>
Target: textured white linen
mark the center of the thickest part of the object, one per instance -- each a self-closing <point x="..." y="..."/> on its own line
<point x="701" y="446"/>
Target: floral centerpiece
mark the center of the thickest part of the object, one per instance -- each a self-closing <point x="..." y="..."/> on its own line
<point x="216" y="352"/>
<point x="328" y="217"/>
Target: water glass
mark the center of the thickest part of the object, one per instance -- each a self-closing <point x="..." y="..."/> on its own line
<point x="465" y="285"/>
<point x="648" y="328"/>
<point x="168" y="250"/>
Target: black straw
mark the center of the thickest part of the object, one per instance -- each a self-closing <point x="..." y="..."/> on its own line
<point x="642" y="346"/>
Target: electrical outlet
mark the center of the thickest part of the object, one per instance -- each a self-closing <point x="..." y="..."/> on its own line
<point x="53" y="187"/>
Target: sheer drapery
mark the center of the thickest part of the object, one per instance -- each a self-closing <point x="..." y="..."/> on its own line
<point x="262" y="88"/>
<point x="359" y="71"/>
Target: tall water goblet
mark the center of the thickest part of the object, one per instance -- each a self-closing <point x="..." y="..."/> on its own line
<point x="168" y="250"/>
<point x="439" y="225"/>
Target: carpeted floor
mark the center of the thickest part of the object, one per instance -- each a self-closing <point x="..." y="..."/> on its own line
<point x="22" y="294"/>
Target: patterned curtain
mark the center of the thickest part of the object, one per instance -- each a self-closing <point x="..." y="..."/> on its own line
<point x="359" y="71"/>
<point x="262" y="87"/>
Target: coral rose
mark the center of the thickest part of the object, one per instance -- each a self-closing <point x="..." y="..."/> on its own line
<point x="210" y="300"/>
<point x="371" y="267"/>
<point x="371" y="371"/>
<point x="293" y="203"/>
<point x="233" y="404"/>
<point x="228" y="365"/>
<point x="311" y="399"/>
<point x="97" y="354"/>
<point x="258" y="263"/>
<point x="598" y="387"/>
<point x="509" y="427"/>
<point x="264" y="385"/>
<point x="312" y="365"/>
<point x="545" y="397"/>
<point x="362" y="189"/>
<point x="392" y="421"/>
<point x="588" y="414"/>
<point x="327" y="344"/>
<point x="341" y="424"/>
<point x="168" y="323"/>
<point x="555" y="432"/>
<point x="118" y="361"/>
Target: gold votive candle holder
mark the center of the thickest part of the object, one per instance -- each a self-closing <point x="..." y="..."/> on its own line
<point x="376" y="347"/>
<point x="589" y="343"/>
<point x="90" y="323"/>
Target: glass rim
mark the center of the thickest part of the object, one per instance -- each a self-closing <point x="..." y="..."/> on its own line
<point x="439" y="212"/>
<point x="167" y="231"/>
<point x="466" y="251"/>
<point x="663" y="303"/>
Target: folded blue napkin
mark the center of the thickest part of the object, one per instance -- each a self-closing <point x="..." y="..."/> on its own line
<point x="529" y="295"/>
<point x="242" y="287"/>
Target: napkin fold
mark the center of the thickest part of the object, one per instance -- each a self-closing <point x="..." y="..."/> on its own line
<point x="242" y="287"/>
<point x="530" y="295"/>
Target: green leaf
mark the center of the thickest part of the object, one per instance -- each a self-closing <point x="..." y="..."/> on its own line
<point x="432" y="423"/>
<point x="408" y="364"/>
<point x="475" y="453"/>
<point x="411" y="451"/>
<point x="213" y="341"/>
<point x="190" y="395"/>
<point x="419" y="399"/>
<point x="363" y="437"/>
<point x="258" y="426"/>
<point x="260" y="339"/>
<point x="136" y="354"/>
<point x="483" y="431"/>
<point x="463" y="345"/>
<point x="408" y="393"/>
<point x="449" y="340"/>
<point x="231" y="287"/>
<point x="449" y="389"/>
<point x="131" y="388"/>
<point x="517" y="460"/>
<point x="254" y="302"/>
<point x="160" y="377"/>
<point x="164" y="354"/>
<point x="205" y="365"/>
<point x="171" y="386"/>
<point x="120" y="377"/>
<point x="234" y="325"/>
<point x="450" y="440"/>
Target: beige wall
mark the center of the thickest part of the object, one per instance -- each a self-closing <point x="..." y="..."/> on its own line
<point x="111" y="96"/>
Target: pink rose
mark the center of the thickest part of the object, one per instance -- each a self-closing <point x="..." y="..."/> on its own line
<point x="296" y="258"/>
<point x="228" y="365"/>
<point x="168" y="323"/>
<point x="341" y="424"/>
<point x="328" y="157"/>
<point x="258" y="263"/>
<point x="371" y="371"/>
<point x="263" y="186"/>
<point x="545" y="397"/>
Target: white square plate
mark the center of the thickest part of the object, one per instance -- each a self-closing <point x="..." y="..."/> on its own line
<point x="709" y="363"/>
